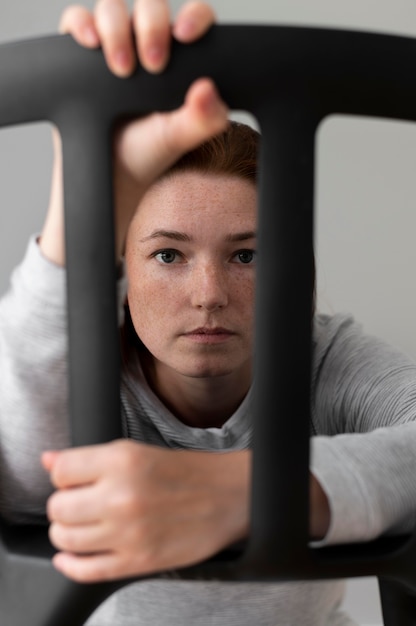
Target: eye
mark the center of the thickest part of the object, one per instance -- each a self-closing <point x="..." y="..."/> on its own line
<point x="167" y="257"/>
<point x="245" y="257"/>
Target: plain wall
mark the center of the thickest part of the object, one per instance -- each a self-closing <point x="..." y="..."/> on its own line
<point x="365" y="187"/>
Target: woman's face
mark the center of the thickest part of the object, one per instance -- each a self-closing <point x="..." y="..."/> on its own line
<point x="190" y="258"/>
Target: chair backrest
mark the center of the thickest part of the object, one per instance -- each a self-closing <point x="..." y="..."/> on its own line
<point x="289" y="79"/>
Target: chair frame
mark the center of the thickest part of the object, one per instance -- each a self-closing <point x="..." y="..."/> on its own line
<point x="290" y="79"/>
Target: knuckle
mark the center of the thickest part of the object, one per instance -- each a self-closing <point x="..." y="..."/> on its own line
<point x="112" y="17"/>
<point x="69" y="541"/>
<point x="74" y="17"/>
<point x="152" y="18"/>
<point x="124" y="504"/>
<point x="64" y="538"/>
<point x="124" y="456"/>
<point x="56" y="536"/>
<point x="67" y="17"/>
<point x="53" y="507"/>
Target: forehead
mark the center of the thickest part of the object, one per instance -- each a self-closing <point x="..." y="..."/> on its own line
<point x="190" y="200"/>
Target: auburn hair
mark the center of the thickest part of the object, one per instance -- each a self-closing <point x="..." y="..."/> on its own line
<point x="233" y="152"/>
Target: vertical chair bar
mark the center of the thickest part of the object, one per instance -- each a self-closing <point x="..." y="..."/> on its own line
<point x="91" y="273"/>
<point x="398" y="603"/>
<point x="283" y="302"/>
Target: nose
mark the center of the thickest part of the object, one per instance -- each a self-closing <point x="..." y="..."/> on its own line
<point x="209" y="288"/>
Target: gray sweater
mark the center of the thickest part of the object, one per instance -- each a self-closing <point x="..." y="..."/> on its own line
<point x="364" y="435"/>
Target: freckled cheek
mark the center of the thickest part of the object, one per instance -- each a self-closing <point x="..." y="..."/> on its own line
<point x="244" y="294"/>
<point x="154" y="304"/>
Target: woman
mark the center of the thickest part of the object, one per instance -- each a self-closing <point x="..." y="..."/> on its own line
<point x="161" y="499"/>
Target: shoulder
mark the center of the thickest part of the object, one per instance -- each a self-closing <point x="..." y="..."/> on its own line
<point x="341" y="337"/>
<point x="329" y="330"/>
<point x="359" y="381"/>
<point x="344" y="356"/>
<point x="326" y="327"/>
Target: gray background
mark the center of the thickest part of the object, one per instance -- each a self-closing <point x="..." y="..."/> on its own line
<point x="365" y="187"/>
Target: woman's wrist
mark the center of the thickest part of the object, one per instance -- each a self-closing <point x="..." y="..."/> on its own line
<point x="231" y="475"/>
<point x="230" y="481"/>
<point x="319" y="513"/>
<point x="52" y="239"/>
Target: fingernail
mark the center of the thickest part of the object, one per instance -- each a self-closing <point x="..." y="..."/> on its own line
<point x="184" y="29"/>
<point x="155" y="58"/>
<point x="122" y="62"/>
<point x="213" y="103"/>
<point x="47" y="459"/>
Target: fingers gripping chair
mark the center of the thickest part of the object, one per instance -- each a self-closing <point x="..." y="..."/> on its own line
<point x="290" y="79"/>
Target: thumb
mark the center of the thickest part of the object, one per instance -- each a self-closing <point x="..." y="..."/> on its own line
<point x="165" y="137"/>
<point x="202" y="116"/>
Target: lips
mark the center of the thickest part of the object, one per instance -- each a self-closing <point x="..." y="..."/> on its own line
<point x="209" y="335"/>
<point x="210" y="331"/>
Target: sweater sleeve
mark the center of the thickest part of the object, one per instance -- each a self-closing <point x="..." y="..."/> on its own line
<point x="33" y="387"/>
<point x="33" y="381"/>
<point x="364" y="412"/>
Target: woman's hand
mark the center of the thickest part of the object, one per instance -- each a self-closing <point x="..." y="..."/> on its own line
<point x="162" y="138"/>
<point x="145" y="34"/>
<point x="126" y="509"/>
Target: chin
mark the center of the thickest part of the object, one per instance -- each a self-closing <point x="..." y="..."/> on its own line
<point x="209" y="373"/>
<point x="207" y="370"/>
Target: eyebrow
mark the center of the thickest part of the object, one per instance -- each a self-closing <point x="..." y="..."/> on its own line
<point x="248" y="234"/>
<point x="178" y="236"/>
<point x="168" y="234"/>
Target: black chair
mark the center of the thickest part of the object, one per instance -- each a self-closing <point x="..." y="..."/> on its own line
<point x="289" y="79"/>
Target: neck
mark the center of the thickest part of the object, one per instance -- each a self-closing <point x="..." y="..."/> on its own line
<point x="198" y="402"/>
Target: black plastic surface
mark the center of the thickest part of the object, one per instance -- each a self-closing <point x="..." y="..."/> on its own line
<point x="290" y="79"/>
